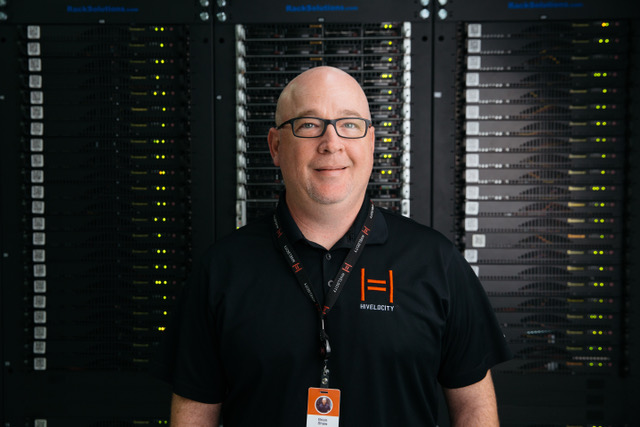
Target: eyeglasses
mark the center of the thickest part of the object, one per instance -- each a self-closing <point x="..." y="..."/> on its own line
<point x="314" y="127"/>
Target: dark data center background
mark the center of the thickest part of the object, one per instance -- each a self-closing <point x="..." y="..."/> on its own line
<point x="133" y="135"/>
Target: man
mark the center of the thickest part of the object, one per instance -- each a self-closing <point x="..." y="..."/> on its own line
<point x="275" y="310"/>
<point x="323" y="405"/>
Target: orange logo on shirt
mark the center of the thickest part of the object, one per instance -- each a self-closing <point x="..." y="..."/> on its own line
<point x="376" y="285"/>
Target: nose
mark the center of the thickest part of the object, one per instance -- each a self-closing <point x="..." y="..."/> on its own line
<point x="330" y="142"/>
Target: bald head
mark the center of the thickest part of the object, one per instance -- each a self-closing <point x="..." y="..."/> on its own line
<point x="326" y="176"/>
<point x="305" y="87"/>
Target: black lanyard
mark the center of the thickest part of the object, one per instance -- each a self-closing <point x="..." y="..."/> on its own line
<point x="338" y="283"/>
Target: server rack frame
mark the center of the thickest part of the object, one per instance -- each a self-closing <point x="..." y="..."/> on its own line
<point x="527" y="400"/>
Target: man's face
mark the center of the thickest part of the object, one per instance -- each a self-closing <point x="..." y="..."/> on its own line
<point x="328" y="169"/>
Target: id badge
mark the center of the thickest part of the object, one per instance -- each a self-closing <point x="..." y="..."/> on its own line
<point x="323" y="407"/>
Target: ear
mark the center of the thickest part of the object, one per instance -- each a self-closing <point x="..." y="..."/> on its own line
<point x="273" y="138"/>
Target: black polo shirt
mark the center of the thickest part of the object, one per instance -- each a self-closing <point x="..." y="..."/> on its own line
<point x="412" y="314"/>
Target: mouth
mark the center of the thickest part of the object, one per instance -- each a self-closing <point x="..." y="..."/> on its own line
<point x="330" y="168"/>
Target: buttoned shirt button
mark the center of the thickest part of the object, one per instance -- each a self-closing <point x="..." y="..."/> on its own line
<point x="327" y="256"/>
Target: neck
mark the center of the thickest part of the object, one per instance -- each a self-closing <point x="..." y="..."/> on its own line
<point x="326" y="224"/>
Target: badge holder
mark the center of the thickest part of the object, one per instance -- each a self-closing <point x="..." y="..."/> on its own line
<point x="323" y="407"/>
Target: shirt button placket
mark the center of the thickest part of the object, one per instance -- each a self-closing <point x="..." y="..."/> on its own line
<point x="327" y="259"/>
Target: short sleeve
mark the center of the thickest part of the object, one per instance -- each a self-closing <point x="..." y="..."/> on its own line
<point x="189" y="356"/>
<point x="473" y="341"/>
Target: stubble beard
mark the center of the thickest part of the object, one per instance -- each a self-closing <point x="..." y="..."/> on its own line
<point x="327" y="199"/>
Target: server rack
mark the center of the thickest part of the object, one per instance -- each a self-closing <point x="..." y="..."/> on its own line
<point x="269" y="56"/>
<point x="542" y="96"/>
<point x="106" y="123"/>
<point x="376" y="43"/>
<point x="512" y="183"/>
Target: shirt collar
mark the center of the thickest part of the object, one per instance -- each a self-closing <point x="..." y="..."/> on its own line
<point x="378" y="235"/>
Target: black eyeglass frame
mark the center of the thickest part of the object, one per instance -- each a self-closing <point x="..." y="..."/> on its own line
<point x="327" y="122"/>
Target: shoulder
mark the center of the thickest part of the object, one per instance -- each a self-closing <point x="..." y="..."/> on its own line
<point x="258" y="229"/>
<point x="419" y="242"/>
<point x="252" y="238"/>
<point x="240" y="257"/>
<point x="402" y="229"/>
